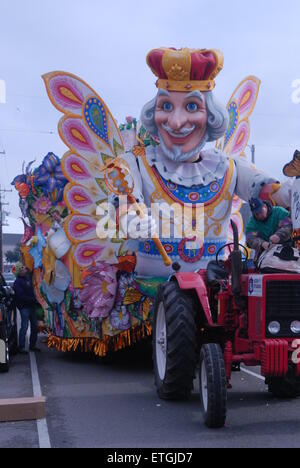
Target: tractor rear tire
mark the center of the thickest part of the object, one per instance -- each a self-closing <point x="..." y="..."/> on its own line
<point x="174" y="342"/>
<point x="213" y="385"/>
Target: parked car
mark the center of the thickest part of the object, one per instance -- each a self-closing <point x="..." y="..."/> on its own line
<point x="8" y="325"/>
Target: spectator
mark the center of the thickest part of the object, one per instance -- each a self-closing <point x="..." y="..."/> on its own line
<point x="269" y="225"/>
<point x="26" y="303"/>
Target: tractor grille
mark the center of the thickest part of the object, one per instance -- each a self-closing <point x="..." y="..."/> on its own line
<point x="282" y="305"/>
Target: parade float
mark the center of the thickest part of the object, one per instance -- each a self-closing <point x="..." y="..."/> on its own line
<point x="98" y="294"/>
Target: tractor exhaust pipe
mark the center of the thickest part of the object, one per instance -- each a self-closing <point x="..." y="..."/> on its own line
<point x="236" y="263"/>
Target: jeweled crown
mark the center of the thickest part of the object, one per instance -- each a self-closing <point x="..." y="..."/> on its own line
<point x="185" y="69"/>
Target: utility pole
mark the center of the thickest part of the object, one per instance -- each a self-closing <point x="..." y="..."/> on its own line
<point x="1" y="227"/>
<point x="253" y="154"/>
<point x="2" y="101"/>
<point x="252" y="148"/>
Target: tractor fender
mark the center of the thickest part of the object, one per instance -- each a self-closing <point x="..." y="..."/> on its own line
<point x="190" y="281"/>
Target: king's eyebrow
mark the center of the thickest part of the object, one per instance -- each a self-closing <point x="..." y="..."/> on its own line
<point x="195" y="94"/>
<point x="163" y="92"/>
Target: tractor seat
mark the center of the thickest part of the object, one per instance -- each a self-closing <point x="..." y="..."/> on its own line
<point x="215" y="272"/>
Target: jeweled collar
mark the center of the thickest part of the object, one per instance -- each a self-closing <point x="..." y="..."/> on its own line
<point x="211" y="167"/>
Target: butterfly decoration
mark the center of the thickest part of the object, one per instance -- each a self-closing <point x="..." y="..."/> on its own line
<point x="94" y="139"/>
<point x="234" y="142"/>
<point x="292" y="169"/>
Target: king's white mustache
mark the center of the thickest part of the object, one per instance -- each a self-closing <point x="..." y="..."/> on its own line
<point x="183" y="132"/>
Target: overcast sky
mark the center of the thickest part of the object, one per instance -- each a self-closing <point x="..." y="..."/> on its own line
<point x="106" y="42"/>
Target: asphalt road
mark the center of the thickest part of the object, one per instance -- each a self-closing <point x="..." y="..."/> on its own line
<point x="112" y="403"/>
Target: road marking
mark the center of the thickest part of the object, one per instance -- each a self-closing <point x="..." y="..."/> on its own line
<point x="253" y="374"/>
<point x="43" y="434"/>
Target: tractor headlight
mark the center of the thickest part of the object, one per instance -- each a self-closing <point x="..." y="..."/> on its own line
<point x="295" y="327"/>
<point x="274" y="328"/>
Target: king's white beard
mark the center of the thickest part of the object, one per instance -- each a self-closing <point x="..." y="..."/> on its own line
<point x="176" y="154"/>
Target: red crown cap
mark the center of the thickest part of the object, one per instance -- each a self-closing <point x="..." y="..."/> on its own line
<point x="185" y="69"/>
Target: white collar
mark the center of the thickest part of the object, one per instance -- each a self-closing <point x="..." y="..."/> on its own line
<point x="213" y="166"/>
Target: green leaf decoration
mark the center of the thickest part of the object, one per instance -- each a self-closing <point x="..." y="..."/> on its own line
<point x="67" y="334"/>
<point x="65" y="213"/>
<point x="118" y="149"/>
<point x="106" y="158"/>
<point x="68" y="300"/>
<point x="102" y="185"/>
<point x="122" y="251"/>
<point x="145" y="136"/>
<point x="116" y="241"/>
<point x="39" y="192"/>
<point x="99" y="202"/>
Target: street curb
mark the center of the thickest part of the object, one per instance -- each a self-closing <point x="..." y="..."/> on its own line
<point x="22" y="409"/>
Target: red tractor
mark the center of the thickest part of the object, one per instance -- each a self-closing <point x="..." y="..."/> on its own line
<point x="228" y="315"/>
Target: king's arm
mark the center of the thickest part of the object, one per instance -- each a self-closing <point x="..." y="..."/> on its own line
<point x="253" y="183"/>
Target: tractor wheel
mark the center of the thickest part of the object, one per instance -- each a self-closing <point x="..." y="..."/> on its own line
<point x="174" y="343"/>
<point x="213" y="385"/>
<point x="4" y="356"/>
<point x="284" y="387"/>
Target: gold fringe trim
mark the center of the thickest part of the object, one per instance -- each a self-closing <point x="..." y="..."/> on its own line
<point x="101" y="347"/>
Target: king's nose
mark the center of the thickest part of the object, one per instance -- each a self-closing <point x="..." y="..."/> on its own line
<point x="177" y="121"/>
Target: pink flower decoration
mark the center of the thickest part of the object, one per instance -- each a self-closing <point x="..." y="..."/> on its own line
<point x="99" y="290"/>
<point x="42" y="205"/>
<point x="129" y="120"/>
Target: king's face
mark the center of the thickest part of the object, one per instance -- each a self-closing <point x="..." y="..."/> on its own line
<point x="181" y="119"/>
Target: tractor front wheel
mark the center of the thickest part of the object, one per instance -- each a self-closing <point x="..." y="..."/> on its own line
<point x="174" y="343"/>
<point x="213" y="385"/>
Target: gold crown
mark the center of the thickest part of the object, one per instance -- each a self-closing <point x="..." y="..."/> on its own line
<point x="185" y="69"/>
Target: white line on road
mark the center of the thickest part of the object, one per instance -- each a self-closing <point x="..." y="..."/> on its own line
<point x="253" y="374"/>
<point x="43" y="434"/>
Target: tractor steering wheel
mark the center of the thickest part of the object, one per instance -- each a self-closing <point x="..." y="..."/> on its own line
<point x="231" y="250"/>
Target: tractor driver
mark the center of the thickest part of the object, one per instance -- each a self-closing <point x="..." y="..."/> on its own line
<point x="268" y="225"/>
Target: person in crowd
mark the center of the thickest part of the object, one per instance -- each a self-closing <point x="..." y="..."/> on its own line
<point x="268" y="225"/>
<point x="26" y="303"/>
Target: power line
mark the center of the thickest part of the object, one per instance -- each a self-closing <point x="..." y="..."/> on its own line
<point x="276" y="146"/>
<point x="285" y="116"/>
<point x="28" y="96"/>
<point x="19" y="130"/>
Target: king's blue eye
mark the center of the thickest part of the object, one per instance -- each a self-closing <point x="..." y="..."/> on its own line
<point x="167" y="107"/>
<point x="192" y="107"/>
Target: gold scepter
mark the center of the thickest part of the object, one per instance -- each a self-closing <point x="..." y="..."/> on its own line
<point x="117" y="178"/>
